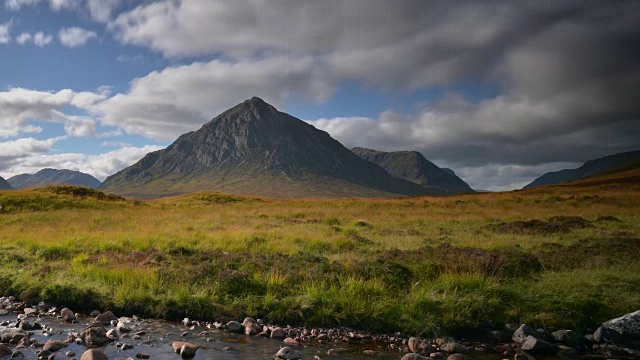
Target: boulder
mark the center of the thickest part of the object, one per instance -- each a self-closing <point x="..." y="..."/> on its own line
<point x="458" y="356"/>
<point x="106" y="318"/>
<point x="538" y="346"/>
<point x="287" y="353"/>
<point x="54" y="345"/>
<point x="278" y="333"/>
<point x="413" y="344"/>
<point x="188" y="351"/>
<point x="95" y="335"/>
<point x="453" y="347"/>
<point x="414" y="356"/>
<point x="234" y="327"/>
<point x="628" y="325"/>
<point x="524" y="331"/>
<point x="122" y="327"/>
<point x="4" y="350"/>
<point x="113" y="334"/>
<point x="619" y="351"/>
<point x="251" y="326"/>
<point x="93" y="354"/>
<point x="67" y="315"/>
<point x="567" y="337"/>
<point x="177" y="346"/>
<point x="607" y="335"/>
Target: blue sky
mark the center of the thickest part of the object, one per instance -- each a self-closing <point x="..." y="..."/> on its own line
<point x="501" y="92"/>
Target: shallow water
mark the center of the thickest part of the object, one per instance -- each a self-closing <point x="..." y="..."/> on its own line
<point x="160" y="334"/>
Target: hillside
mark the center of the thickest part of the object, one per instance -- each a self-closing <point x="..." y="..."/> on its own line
<point x="413" y="166"/>
<point x="589" y="168"/>
<point x="4" y="185"/>
<point x="255" y="149"/>
<point x="52" y="177"/>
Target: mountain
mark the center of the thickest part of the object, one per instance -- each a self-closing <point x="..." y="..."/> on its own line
<point x="412" y="166"/>
<point x="46" y="177"/>
<point x="255" y="149"/>
<point x="4" y="185"/>
<point x="589" y="168"/>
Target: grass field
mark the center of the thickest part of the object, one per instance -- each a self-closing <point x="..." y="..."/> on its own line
<point x="424" y="265"/>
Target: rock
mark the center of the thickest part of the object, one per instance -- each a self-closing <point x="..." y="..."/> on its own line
<point x="106" y="318"/>
<point x="67" y="314"/>
<point x="26" y="325"/>
<point x="438" y="355"/>
<point x="538" y="346"/>
<point x="458" y="356"/>
<point x="188" y="351"/>
<point x="628" y="325"/>
<point x="607" y="335"/>
<point x="30" y="311"/>
<point x="291" y="341"/>
<point x="94" y="335"/>
<point x="186" y="322"/>
<point x="278" y="333"/>
<point x="369" y="352"/>
<point x="122" y="327"/>
<point x="524" y="331"/>
<point x="233" y="326"/>
<point x="54" y="345"/>
<point x="177" y="346"/>
<point x="4" y="350"/>
<point x="615" y="351"/>
<point x="414" y="356"/>
<point x="413" y="344"/>
<point x="251" y="326"/>
<point x="288" y="354"/>
<point x="142" y="355"/>
<point x="567" y="337"/>
<point x="94" y="313"/>
<point x="70" y="354"/>
<point x="93" y="354"/>
<point x="453" y="347"/>
<point x="112" y="334"/>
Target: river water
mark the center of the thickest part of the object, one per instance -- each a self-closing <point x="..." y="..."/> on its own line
<point x="156" y="342"/>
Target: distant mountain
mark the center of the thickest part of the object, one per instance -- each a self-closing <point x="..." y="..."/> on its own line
<point x="412" y="166"/>
<point x="46" y="177"/>
<point x="255" y="149"/>
<point x="589" y="168"/>
<point x="4" y="185"/>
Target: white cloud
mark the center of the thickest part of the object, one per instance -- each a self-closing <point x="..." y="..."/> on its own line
<point x="19" y="106"/>
<point x="5" y="32"/>
<point x="166" y="104"/>
<point x="75" y="36"/>
<point x="30" y="156"/>
<point x="15" y="5"/>
<point x="23" y="38"/>
<point x="41" y="39"/>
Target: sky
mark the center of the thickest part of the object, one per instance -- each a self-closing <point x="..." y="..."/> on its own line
<point x="499" y="91"/>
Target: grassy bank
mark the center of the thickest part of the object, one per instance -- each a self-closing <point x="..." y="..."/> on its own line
<point x="421" y="265"/>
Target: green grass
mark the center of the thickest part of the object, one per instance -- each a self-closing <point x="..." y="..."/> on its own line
<point x="427" y="265"/>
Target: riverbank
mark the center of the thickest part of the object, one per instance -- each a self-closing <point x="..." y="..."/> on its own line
<point x="429" y="267"/>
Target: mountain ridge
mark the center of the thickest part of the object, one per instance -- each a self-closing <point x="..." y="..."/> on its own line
<point x="589" y="168"/>
<point x="4" y="184"/>
<point x="47" y="176"/>
<point x="254" y="149"/>
<point x="413" y="166"/>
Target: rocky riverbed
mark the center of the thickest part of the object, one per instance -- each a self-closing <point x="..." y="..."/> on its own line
<point x="43" y="331"/>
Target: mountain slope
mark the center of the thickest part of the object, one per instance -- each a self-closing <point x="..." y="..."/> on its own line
<point x="412" y="166"/>
<point x="46" y="177"/>
<point x="255" y="149"/>
<point x="589" y="168"/>
<point x="4" y="185"/>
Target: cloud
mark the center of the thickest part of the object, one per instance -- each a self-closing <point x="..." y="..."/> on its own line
<point x="165" y="104"/>
<point x="99" y="10"/>
<point x="5" y="32"/>
<point x="39" y="38"/>
<point x="24" y="38"/>
<point x="75" y="36"/>
<point x="31" y="157"/>
<point x="19" y="106"/>
<point x="16" y="5"/>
